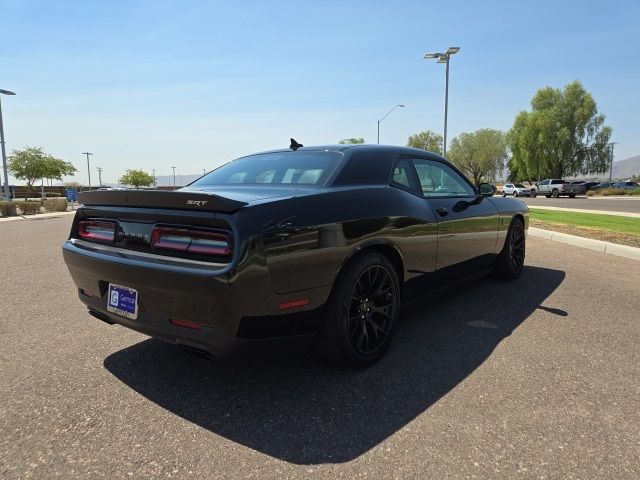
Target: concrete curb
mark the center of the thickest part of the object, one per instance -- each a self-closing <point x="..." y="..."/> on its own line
<point x="38" y="216"/>
<point x="596" y="245"/>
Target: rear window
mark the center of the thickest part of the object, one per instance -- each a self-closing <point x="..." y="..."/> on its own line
<point x="278" y="168"/>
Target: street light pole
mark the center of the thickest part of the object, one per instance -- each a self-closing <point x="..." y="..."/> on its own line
<point x="154" y="177"/>
<point x="7" y="194"/>
<point x="174" y="177"/>
<point x="100" y="176"/>
<point x="401" y="106"/>
<point x="444" y="58"/>
<point x="611" y="164"/>
<point x="88" y="167"/>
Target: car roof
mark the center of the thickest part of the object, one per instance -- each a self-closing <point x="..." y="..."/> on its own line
<point x="393" y="149"/>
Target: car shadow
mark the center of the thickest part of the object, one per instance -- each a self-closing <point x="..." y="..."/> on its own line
<point x="305" y="411"/>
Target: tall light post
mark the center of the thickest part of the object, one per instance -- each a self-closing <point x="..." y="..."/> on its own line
<point x="7" y="194"/>
<point x="88" y="167"/>
<point x="611" y="164"/>
<point x="174" y="177"/>
<point x="154" y="177"/>
<point x="400" y="106"/>
<point x="99" y="176"/>
<point x="444" y="58"/>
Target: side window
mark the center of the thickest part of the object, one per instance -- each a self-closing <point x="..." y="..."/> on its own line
<point x="439" y="180"/>
<point x="402" y="173"/>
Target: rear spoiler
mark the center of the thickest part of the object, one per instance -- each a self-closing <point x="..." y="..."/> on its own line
<point x="179" y="200"/>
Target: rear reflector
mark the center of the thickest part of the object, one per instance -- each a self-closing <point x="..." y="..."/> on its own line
<point x="97" y="230"/>
<point x="199" y="242"/>
<point x="185" y="324"/>
<point x="294" y="304"/>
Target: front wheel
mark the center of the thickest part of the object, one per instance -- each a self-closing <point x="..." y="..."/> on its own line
<point x="504" y="194"/>
<point x="510" y="262"/>
<point x="362" y="312"/>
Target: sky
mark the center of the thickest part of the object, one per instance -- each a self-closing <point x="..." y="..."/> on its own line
<point x="156" y="84"/>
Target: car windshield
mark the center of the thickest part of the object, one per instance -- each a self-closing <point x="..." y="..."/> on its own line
<point x="276" y="168"/>
<point x="519" y="185"/>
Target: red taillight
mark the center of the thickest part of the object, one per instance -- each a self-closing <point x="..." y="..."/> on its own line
<point x="97" y="230"/>
<point x="198" y="242"/>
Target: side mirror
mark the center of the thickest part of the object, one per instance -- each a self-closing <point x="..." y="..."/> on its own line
<point x="486" y="189"/>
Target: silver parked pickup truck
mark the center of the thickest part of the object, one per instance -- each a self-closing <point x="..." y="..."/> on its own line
<point x="556" y="188"/>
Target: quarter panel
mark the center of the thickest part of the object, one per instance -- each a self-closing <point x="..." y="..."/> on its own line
<point x="306" y="240"/>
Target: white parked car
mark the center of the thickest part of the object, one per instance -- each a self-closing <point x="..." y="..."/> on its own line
<point x="515" y="189"/>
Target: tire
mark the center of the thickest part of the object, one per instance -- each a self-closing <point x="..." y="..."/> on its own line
<point x="548" y="196"/>
<point x="504" y="194"/>
<point x="555" y="193"/>
<point x="510" y="262"/>
<point x="533" y="194"/>
<point x="572" y="195"/>
<point x="515" y="194"/>
<point x="362" y="312"/>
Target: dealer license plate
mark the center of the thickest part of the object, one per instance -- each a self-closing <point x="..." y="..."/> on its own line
<point x="123" y="301"/>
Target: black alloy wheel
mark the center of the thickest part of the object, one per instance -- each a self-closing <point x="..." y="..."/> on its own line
<point x="361" y="313"/>
<point x="372" y="309"/>
<point x="516" y="246"/>
<point x="510" y="262"/>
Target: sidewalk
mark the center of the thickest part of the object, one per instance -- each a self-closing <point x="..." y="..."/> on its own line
<point x="38" y="216"/>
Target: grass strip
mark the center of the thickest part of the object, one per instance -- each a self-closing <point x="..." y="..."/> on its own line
<point x="612" y="223"/>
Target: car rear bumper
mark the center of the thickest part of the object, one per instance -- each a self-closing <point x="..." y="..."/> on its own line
<point x="235" y="313"/>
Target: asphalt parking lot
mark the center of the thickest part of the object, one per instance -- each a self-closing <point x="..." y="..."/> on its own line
<point x="530" y="379"/>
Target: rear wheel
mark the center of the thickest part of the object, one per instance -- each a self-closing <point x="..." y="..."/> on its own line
<point x="362" y="312"/>
<point x="515" y="193"/>
<point x="533" y="193"/>
<point x="510" y="262"/>
<point x="555" y="193"/>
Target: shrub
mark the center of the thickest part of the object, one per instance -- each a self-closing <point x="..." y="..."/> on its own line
<point x="56" y="204"/>
<point x="28" y="208"/>
<point x="4" y="208"/>
<point x="590" y="193"/>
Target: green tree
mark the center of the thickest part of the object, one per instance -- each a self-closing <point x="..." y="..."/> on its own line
<point x="56" y="168"/>
<point x="562" y="135"/>
<point x="352" y="141"/>
<point x="426" y="140"/>
<point x="33" y="163"/>
<point x="480" y="154"/>
<point x="136" y="178"/>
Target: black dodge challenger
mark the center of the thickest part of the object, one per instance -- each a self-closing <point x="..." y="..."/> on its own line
<point x="288" y="248"/>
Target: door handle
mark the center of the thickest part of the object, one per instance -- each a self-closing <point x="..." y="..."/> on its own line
<point x="442" y="211"/>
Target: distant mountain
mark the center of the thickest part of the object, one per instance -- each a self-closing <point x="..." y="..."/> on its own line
<point x="626" y="168"/>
